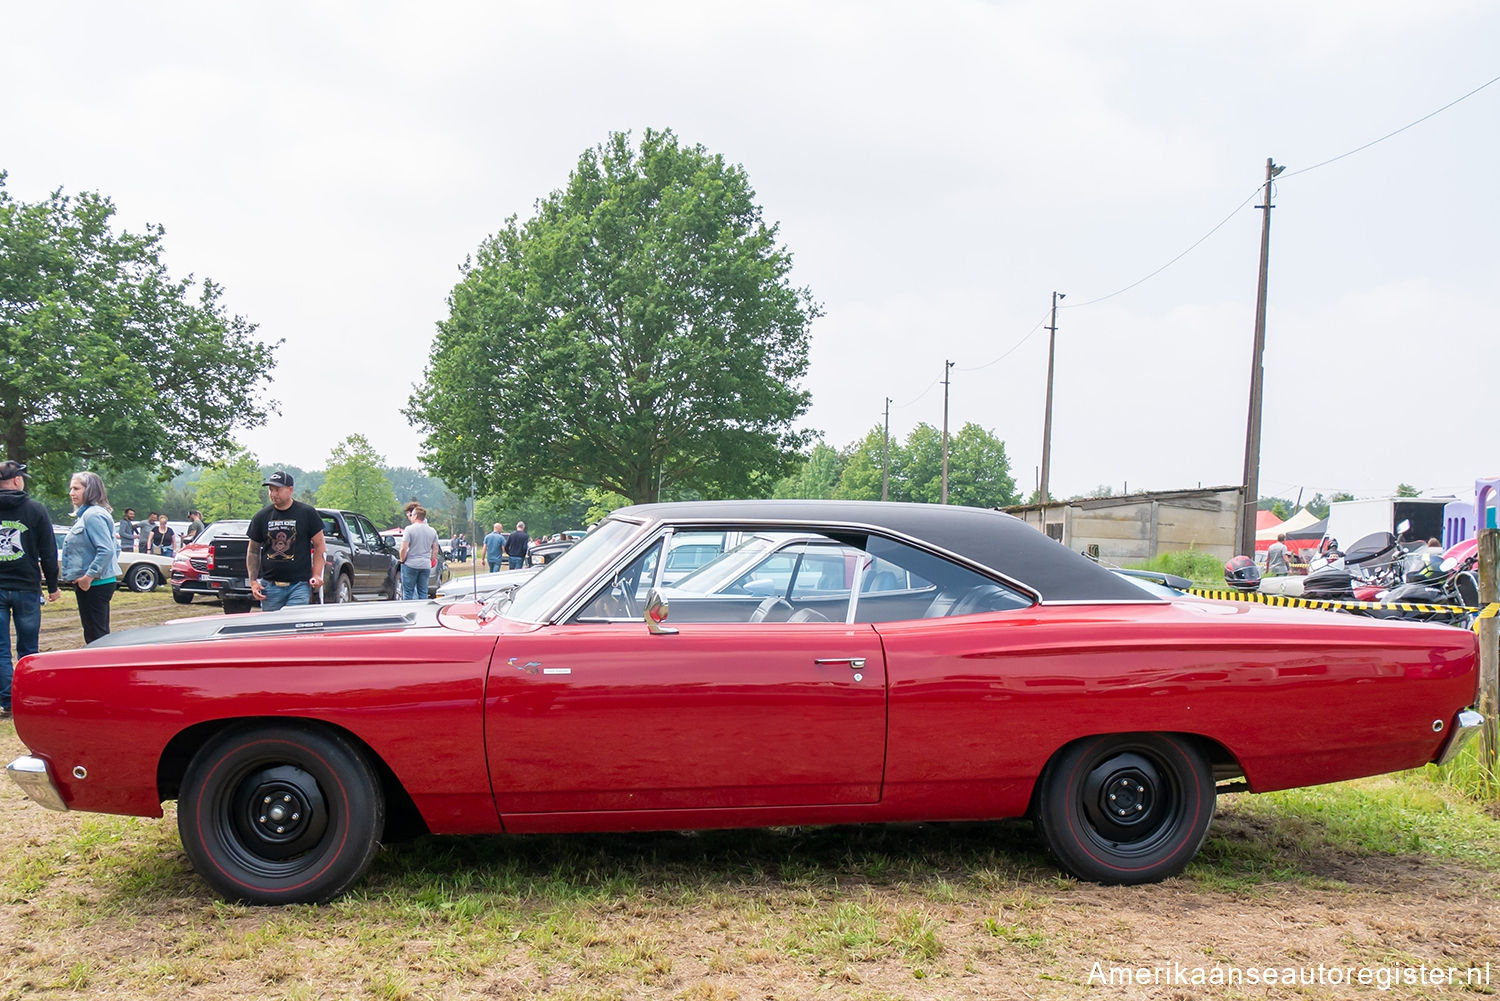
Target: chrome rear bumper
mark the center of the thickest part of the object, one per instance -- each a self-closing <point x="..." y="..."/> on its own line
<point x="1464" y="728"/>
<point x="35" y="780"/>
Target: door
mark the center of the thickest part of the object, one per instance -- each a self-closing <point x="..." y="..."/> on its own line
<point x="371" y="563"/>
<point x="604" y="715"/>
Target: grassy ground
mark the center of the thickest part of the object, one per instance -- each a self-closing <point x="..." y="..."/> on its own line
<point x="1395" y="873"/>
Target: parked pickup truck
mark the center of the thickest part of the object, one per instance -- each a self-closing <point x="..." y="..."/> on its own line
<point x="360" y="565"/>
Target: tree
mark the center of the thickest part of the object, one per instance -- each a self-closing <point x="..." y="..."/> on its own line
<point x="638" y="334"/>
<point x="1407" y="490"/>
<point x="919" y="474"/>
<point x="818" y="477"/>
<point x="85" y="314"/>
<point x="979" y="470"/>
<point x="863" y="464"/>
<point x="231" y="489"/>
<point x="600" y="504"/>
<point x="354" y="481"/>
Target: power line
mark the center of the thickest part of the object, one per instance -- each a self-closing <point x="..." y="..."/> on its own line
<point x="1222" y="223"/>
<point x="1419" y="121"/>
<point x="1012" y="350"/>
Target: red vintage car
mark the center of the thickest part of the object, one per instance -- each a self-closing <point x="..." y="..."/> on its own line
<point x="884" y="662"/>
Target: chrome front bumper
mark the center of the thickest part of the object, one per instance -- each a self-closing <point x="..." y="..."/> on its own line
<point x="35" y="780"/>
<point x="1464" y="728"/>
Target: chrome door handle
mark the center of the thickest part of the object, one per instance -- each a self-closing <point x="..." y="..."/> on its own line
<point x="855" y="663"/>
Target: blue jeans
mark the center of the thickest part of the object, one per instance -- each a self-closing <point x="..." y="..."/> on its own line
<point x="414" y="583"/>
<point x="515" y="561"/>
<point x="281" y="595"/>
<point x="25" y="607"/>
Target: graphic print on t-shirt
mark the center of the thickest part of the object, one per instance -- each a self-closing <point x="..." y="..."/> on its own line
<point x="10" y="540"/>
<point x="281" y="540"/>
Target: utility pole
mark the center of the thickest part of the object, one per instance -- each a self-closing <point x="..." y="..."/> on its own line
<point x="1047" y="421"/>
<point x="885" y="457"/>
<point x="1251" y="498"/>
<point x="946" y="366"/>
<point x="1488" y="702"/>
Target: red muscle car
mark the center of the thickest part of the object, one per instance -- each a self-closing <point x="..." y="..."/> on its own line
<point x="896" y="663"/>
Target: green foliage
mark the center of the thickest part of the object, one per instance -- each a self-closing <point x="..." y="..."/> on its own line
<point x="978" y="468"/>
<point x="354" y="481"/>
<point x="818" y="477"/>
<point x="89" y="319"/>
<point x="600" y="503"/>
<point x="1198" y="567"/>
<point x="917" y="470"/>
<point x="638" y="334"/>
<point x="1318" y="506"/>
<point x="864" y="462"/>
<point x="230" y="489"/>
<point x="1279" y="506"/>
<point x="1407" y="490"/>
<point x="1469" y="774"/>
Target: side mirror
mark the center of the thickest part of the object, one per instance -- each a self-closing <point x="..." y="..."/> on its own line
<point x="657" y="610"/>
<point x="1401" y="528"/>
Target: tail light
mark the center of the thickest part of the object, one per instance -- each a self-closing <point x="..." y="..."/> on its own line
<point x="210" y="559"/>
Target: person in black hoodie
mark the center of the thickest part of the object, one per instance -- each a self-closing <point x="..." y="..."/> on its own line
<point x="28" y="552"/>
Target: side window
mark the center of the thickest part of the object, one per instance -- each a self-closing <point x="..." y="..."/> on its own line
<point x="367" y="529"/>
<point x="769" y="577"/>
<point x="822" y="571"/>
<point x="623" y="596"/>
<point x="904" y="583"/>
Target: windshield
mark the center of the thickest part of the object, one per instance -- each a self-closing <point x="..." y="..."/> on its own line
<point x="569" y="571"/>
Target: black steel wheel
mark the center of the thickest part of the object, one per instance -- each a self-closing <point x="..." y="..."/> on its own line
<point x="182" y="597"/>
<point x="1126" y="808"/>
<point x="280" y="814"/>
<point x="142" y="577"/>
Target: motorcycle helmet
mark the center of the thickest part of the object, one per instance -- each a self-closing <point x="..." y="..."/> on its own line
<point x="1242" y="574"/>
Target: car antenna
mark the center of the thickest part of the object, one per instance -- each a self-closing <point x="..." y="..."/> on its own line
<point x="474" y="544"/>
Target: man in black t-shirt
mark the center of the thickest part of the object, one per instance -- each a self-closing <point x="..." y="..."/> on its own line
<point x="285" y="557"/>
<point x="28" y="555"/>
<point x="517" y="544"/>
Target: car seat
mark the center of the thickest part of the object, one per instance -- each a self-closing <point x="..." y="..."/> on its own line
<point x="773" y="609"/>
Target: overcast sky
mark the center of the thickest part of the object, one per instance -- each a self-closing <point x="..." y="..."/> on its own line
<point x="936" y="171"/>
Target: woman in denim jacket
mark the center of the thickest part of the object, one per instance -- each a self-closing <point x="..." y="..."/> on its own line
<point x="90" y="553"/>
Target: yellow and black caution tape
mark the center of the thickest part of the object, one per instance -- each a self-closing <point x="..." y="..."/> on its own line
<point x="1286" y="601"/>
<point x="1488" y="612"/>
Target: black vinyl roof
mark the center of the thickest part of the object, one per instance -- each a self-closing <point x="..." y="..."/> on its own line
<point x="989" y="539"/>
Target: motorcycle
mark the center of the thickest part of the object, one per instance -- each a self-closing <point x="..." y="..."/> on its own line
<point x="1373" y="564"/>
<point x="1452" y="583"/>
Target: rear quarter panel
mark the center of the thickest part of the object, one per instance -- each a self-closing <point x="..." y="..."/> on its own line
<point x="979" y="704"/>
<point x="414" y="697"/>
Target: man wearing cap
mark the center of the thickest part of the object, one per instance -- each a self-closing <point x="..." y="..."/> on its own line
<point x="28" y="552"/>
<point x="285" y="557"/>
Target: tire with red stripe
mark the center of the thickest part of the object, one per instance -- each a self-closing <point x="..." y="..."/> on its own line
<point x="1126" y="808"/>
<point x="276" y="813"/>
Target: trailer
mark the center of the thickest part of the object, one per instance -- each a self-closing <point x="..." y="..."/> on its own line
<point x="1354" y="519"/>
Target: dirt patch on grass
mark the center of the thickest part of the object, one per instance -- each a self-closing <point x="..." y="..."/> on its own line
<point x="109" y="906"/>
